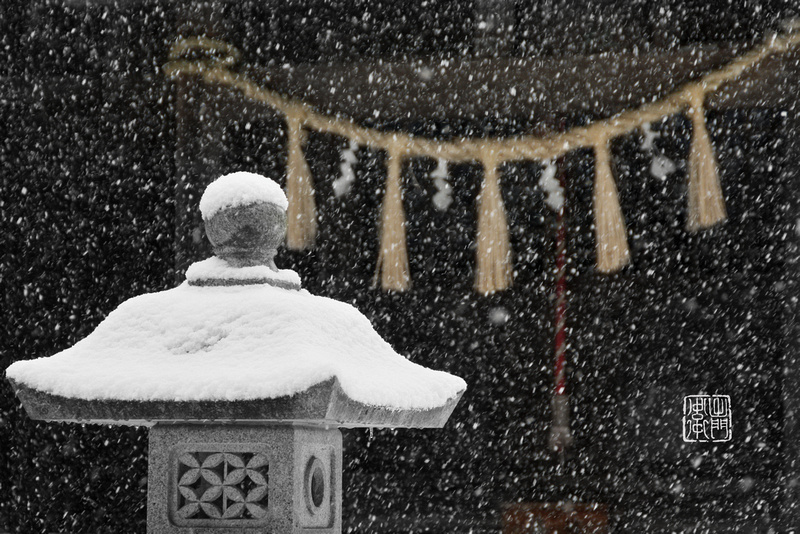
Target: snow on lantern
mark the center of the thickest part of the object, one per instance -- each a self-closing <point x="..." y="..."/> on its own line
<point x="244" y="379"/>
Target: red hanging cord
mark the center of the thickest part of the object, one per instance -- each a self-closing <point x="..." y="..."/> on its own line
<point x="560" y="433"/>
<point x="561" y="298"/>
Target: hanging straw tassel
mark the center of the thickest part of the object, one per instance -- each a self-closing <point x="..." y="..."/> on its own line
<point x="493" y="270"/>
<point x="301" y="215"/>
<point x="612" y="242"/>
<point x="706" y="204"/>
<point x="392" y="255"/>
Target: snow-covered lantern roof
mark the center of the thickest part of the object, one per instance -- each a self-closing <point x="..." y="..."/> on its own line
<point x="238" y="341"/>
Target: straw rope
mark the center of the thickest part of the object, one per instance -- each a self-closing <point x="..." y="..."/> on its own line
<point x="301" y="214"/>
<point x="706" y="204"/>
<point x="392" y="267"/>
<point x="609" y="226"/>
<point x="469" y="149"/>
<point x="493" y="269"/>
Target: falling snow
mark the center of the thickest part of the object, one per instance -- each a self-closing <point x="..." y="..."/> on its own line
<point x="103" y="160"/>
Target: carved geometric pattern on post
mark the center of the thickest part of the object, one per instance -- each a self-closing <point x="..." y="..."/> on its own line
<point x="222" y="485"/>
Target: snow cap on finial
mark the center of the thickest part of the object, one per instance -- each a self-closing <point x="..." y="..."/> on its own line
<point x="240" y="189"/>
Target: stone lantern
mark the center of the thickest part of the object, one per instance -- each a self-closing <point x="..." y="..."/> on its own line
<point x="242" y="377"/>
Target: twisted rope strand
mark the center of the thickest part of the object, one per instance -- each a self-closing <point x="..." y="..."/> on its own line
<point x="217" y="70"/>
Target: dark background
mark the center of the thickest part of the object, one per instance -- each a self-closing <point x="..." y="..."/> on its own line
<point x="98" y="173"/>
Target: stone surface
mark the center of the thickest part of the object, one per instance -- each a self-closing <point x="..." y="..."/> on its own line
<point x="215" y="271"/>
<point x="209" y="282"/>
<point x="322" y="404"/>
<point x="249" y="235"/>
<point x="244" y="479"/>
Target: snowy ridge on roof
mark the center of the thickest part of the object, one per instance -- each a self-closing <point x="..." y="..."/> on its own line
<point x="235" y="343"/>
<point x="240" y="189"/>
<point x="215" y="268"/>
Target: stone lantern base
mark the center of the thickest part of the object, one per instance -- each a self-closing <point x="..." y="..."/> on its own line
<point x="237" y="479"/>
